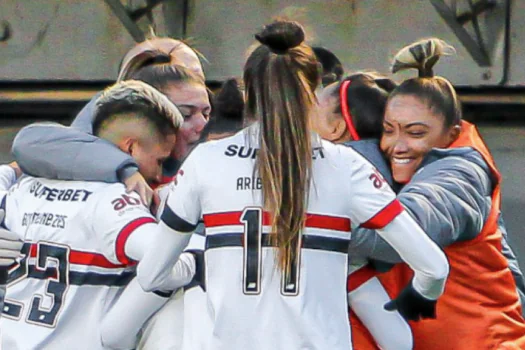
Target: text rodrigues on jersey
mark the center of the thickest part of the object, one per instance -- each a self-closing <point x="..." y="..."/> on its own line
<point x="44" y="219"/>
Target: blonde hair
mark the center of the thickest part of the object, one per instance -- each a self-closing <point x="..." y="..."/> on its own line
<point x="421" y="55"/>
<point x="131" y="94"/>
<point x="437" y="92"/>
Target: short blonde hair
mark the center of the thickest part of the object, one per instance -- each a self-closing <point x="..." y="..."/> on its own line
<point x="134" y="95"/>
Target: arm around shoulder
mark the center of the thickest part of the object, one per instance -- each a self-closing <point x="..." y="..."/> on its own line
<point x="58" y="152"/>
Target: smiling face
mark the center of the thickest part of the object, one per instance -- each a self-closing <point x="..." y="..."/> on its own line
<point x="410" y="130"/>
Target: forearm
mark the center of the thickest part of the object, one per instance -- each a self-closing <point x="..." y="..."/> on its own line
<point x="122" y="324"/>
<point x="158" y="257"/>
<point x="176" y="276"/>
<point x="39" y="150"/>
<point x="428" y="261"/>
<point x="389" y="329"/>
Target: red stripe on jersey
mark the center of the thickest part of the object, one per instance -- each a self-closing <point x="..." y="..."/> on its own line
<point x="312" y="220"/>
<point x="327" y="222"/>
<point x="360" y="277"/>
<point x="385" y="216"/>
<point x="83" y="258"/>
<point x="222" y="219"/>
<point x="123" y="237"/>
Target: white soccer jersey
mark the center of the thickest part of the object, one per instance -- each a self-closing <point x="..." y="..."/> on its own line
<point x="184" y="320"/>
<point x="254" y="305"/>
<point x="74" y="263"/>
<point x="197" y="321"/>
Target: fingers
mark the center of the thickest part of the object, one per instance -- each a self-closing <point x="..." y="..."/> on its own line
<point x="11" y="245"/>
<point x="9" y="254"/>
<point x="9" y="236"/>
<point x="149" y="194"/>
<point x="6" y="262"/>
<point x="16" y="168"/>
<point x="390" y="306"/>
<point x="141" y="190"/>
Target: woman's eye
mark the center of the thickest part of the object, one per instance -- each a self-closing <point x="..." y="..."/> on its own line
<point x="417" y="133"/>
<point x="388" y="131"/>
<point x="187" y="117"/>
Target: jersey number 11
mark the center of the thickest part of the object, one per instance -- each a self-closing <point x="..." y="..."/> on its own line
<point x="254" y="240"/>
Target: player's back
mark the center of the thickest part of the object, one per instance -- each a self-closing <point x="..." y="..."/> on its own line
<point x="253" y="303"/>
<point x="73" y="266"/>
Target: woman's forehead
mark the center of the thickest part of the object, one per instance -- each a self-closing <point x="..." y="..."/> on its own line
<point x="404" y="109"/>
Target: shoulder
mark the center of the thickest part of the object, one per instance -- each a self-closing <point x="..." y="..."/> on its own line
<point x="465" y="162"/>
<point x="456" y="171"/>
<point x="227" y="147"/>
<point x="105" y="191"/>
<point x="337" y="150"/>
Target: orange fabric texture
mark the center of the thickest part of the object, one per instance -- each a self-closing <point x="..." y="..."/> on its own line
<point x="480" y="308"/>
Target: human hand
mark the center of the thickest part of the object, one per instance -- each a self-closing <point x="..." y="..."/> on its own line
<point x="137" y="183"/>
<point x="412" y="305"/>
<point x="10" y="245"/>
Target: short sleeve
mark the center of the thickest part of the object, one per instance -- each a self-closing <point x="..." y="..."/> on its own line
<point x="183" y="206"/>
<point x="117" y="215"/>
<point x="373" y="203"/>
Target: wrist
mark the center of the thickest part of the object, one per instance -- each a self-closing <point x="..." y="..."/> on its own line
<point x="126" y="172"/>
<point x="430" y="290"/>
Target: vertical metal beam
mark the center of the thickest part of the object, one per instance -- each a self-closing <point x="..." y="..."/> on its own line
<point x="478" y="54"/>
<point x="120" y="11"/>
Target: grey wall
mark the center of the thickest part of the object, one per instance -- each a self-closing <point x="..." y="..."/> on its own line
<point x="84" y="41"/>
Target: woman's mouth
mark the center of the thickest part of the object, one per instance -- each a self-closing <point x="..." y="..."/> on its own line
<point x="403" y="168"/>
<point x="401" y="160"/>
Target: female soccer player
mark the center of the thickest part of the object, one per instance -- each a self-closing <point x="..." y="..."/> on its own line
<point x="278" y="213"/>
<point x="167" y="64"/>
<point x="455" y="196"/>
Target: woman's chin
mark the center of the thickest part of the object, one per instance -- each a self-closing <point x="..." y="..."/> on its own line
<point x="402" y="177"/>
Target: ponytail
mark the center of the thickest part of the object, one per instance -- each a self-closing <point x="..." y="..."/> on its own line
<point x="436" y="91"/>
<point x="280" y="77"/>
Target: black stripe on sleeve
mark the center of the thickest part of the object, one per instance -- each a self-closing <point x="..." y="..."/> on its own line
<point x="175" y="222"/>
<point x="329" y="244"/>
<point x="163" y="294"/>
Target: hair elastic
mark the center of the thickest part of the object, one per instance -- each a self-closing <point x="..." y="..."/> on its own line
<point x="345" y="110"/>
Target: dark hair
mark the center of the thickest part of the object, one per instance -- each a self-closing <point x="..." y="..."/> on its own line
<point x="138" y="99"/>
<point x="280" y="77"/>
<point x="331" y="65"/>
<point x="227" y="112"/>
<point x="437" y="92"/>
<point x="365" y="94"/>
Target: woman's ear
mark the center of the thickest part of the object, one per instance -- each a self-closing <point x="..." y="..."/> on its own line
<point x="339" y="130"/>
<point x="454" y="133"/>
<point x="126" y="145"/>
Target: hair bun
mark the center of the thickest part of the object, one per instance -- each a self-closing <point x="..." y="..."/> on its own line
<point x="229" y="102"/>
<point x="421" y="55"/>
<point x="281" y="36"/>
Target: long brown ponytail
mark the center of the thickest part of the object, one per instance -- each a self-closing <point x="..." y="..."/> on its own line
<point x="280" y="78"/>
